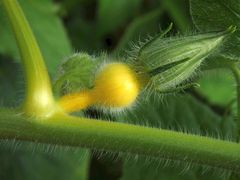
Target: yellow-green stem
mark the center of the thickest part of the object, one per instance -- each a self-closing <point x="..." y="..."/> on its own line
<point x="39" y="99"/>
<point x="62" y="129"/>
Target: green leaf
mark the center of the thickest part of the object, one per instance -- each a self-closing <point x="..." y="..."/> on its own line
<point x="27" y="161"/>
<point x="112" y="14"/>
<point x="47" y="28"/>
<point x="212" y="15"/>
<point x="139" y="27"/>
<point x="144" y="170"/>
<point x="176" y="112"/>
<point x="218" y="87"/>
<point x="10" y="88"/>
<point x="77" y="73"/>
<point x="178" y="13"/>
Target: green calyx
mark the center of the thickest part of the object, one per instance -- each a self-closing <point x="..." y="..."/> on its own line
<point x="170" y="62"/>
<point x="75" y="74"/>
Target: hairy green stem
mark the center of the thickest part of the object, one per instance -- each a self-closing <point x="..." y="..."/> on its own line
<point x="66" y="130"/>
<point x="39" y="98"/>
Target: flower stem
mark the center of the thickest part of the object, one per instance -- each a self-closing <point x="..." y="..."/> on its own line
<point x="39" y="99"/>
<point x="75" y="101"/>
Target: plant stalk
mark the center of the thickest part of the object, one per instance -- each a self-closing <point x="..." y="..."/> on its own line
<point x="39" y="99"/>
<point x="62" y="129"/>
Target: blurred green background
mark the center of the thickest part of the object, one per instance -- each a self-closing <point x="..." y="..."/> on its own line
<point x="64" y="27"/>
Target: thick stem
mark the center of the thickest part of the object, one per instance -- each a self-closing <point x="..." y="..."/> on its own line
<point x="39" y="99"/>
<point x="236" y="72"/>
<point x="66" y="130"/>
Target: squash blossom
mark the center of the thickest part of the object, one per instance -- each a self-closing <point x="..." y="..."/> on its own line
<point x="161" y="64"/>
<point x="115" y="86"/>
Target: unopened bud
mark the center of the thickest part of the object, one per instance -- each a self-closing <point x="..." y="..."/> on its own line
<point x="171" y="61"/>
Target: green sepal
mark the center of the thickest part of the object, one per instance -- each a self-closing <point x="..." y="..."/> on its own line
<point x="171" y="61"/>
<point x="180" y="88"/>
<point x="77" y="72"/>
<point x="161" y="35"/>
<point x="166" y="67"/>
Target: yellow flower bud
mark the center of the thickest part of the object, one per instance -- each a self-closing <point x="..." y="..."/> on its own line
<point x="115" y="86"/>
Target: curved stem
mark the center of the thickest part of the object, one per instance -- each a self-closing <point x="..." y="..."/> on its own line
<point x="66" y="130"/>
<point x="39" y="98"/>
